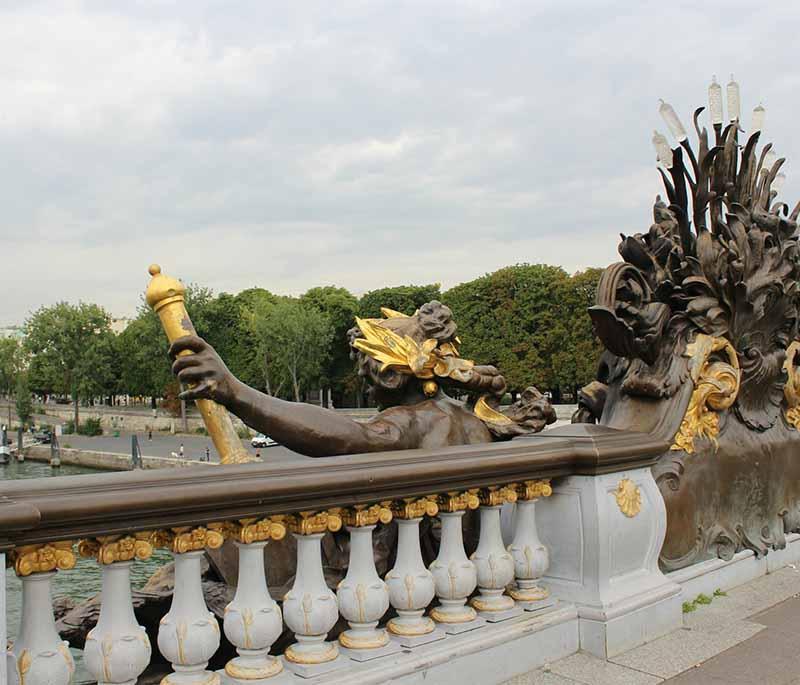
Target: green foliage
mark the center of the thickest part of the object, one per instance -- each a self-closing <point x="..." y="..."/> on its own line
<point x="296" y="343"/>
<point x="11" y="364"/>
<point x="700" y="600"/>
<point x="24" y="404"/>
<point x="90" y="427"/>
<point x="72" y="351"/>
<point x="341" y="307"/>
<point x="402" y="298"/>
<point x="530" y="321"/>
<point x="68" y="428"/>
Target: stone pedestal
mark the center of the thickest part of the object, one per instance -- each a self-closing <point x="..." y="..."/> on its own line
<point x="604" y="533"/>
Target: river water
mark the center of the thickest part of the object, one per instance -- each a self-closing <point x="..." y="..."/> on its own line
<point x="84" y="580"/>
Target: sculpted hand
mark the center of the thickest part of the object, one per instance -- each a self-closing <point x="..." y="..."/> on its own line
<point x="204" y="370"/>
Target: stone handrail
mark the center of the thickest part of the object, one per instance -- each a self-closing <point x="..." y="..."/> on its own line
<point x="118" y="518"/>
<point x="43" y="510"/>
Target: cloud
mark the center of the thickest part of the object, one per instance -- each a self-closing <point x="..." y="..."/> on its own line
<point x="359" y="144"/>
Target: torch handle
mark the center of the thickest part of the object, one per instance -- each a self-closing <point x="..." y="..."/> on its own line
<point x="176" y="323"/>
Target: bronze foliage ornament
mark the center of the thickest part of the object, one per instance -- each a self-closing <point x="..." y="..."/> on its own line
<point x="699" y="322"/>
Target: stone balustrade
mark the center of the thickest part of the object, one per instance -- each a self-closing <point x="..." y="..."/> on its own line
<point x="363" y="627"/>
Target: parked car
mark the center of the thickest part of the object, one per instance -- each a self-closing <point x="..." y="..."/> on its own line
<point x="261" y="440"/>
<point x="44" y="436"/>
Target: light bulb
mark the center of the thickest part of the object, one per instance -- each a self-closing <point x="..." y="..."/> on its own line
<point x="663" y="150"/>
<point x="715" y="102"/>
<point x="777" y="184"/>
<point x="671" y="119"/>
<point x="734" y="101"/>
<point x="757" y="122"/>
<point x="769" y="161"/>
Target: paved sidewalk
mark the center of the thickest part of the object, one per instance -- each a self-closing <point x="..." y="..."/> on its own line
<point x="750" y="635"/>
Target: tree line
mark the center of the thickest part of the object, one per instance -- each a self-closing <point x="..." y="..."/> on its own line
<point x="529" y="320"/>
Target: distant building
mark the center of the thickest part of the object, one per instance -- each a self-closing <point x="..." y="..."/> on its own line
<point x="15" y="332"/>
<point x="119" y="324"/>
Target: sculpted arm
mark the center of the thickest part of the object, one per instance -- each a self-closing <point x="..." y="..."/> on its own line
<point x="305" y="428"/>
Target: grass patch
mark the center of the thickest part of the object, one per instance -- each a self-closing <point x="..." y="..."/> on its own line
<point x="701" y="599"/>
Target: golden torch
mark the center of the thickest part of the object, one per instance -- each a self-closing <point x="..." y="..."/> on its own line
<point x="165" y="296"/>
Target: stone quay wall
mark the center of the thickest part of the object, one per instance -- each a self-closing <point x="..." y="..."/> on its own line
<point x="107" y="461"/>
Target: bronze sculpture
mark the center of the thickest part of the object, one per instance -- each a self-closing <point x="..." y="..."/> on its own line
<point x="696" y="321"/>
<point x="408" y="362"/>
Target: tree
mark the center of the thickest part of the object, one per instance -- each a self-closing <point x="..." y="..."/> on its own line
<point x="24" y="404"/>
<point x="509" y="319"/>
<point x="402" y="298"/>
<point x="575" y="361"/>
<point x="297" y="340"/>
<point x="10" y="364"/>
<point x="341" y="307"/>
<point x="72" y="350"/>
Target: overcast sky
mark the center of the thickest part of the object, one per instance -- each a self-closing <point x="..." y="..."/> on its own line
<point x="362" y="144"/>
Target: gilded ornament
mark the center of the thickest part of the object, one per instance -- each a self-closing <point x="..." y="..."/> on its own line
<point x="250" y="530"/>
<point x="534" y="489"/>
<point x="791" y="391"/>
<point x="310" y="522"/>
<point x="188" y="539"/>
<point x="716" y="384"/>
<point x="413" y="508"/>
<point x="485" y="413"/>
<point x="110" y="549"/>
<point x="365" y="515"/>
<point x="458" y="501"/>
<point x="629" y="497"/>
<point x="494" y="496"/>
<point x="403" y="354"/>
<point x="43" y="558"/>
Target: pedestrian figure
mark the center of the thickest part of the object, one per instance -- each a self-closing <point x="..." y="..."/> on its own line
<point x="149" y="434"/>
<point x="180" y="451"/>
<point x="208" y="456"/>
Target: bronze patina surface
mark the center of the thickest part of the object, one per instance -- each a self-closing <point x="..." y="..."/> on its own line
<point x="696" y="321"/>
<point x="408" y="362"/>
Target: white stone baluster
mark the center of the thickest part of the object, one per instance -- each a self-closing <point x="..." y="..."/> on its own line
<point x="531" y="557"/>
<point x="39" y="655"/>
<point x="253" y="619"/>
<point x="411" y="585"/>
<point x="117" y="649"/>
<point x="494" y="563"/>
<point x="454" y="575"/>
<point x="363" y="596"/>
<point x="310" y="608"/>
<point x="188" y="635"/>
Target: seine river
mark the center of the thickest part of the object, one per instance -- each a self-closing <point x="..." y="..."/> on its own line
<point x="84" y="580"/>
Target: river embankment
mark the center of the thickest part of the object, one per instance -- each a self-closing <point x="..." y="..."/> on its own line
<point x="107" y="461"/>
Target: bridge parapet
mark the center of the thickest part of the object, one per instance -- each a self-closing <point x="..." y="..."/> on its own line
<point x="571" y="523"/>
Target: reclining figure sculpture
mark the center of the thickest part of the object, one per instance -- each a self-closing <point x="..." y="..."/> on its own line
<point x="699" y="322"/>
<point x="407" y="362"/>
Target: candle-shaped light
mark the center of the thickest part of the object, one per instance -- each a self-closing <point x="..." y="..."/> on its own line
<point x="715" y="102"/>
<point x="757" y="122"/>
<point x="669" y="116"/>
<point x="777" y="184"/>
<point x="734" y="101"/>
<point x="769" y="161"/>
<point x="663" y="151"/>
